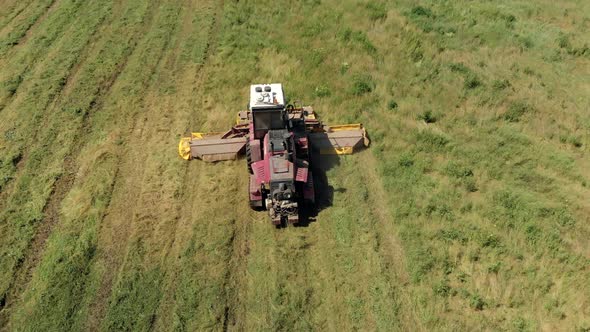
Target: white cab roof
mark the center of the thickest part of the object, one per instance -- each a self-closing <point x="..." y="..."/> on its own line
<point x="266" y="96"/>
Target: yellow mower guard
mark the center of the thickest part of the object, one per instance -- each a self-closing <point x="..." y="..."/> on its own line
<point x="184" y="146"/>
<point x="340" y="139"/>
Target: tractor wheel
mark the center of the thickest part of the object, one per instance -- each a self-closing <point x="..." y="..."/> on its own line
<point x="249" y="157"/>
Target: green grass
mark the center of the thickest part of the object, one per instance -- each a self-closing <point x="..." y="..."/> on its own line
<point x="23" y="23"/>
<point x="129" y="77"/>
<point x="20" y="61"/>
<point x="23" y="208"/>
<point x="469" y="210"/>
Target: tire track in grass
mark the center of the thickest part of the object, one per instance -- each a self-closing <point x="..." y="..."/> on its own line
<point x="349" y="290"/>
<point x="328" y="275"/>
<point x="278" y="292"/>
<point x="234" y="279"/>
<point x="325" y="276"/>
<point x="364" y="247"/>
<point x="256" y="308"/>
<point x="237" y="237"/>
<point x="149" y="235"/>
<point x="275" y="288"/>
<point x="248" y="230"/>
<point x="15" y="210"/>
<point x="212" y="264"/>
<point x="203" y="295"/>
<point x="233" y="234"/>
<point x="291" y="273"/>
<point x="258" y="270"/>
<point x="183" y="283"/>
<point x="291" y="303"/>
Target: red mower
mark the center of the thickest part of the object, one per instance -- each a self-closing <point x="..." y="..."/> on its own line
<point x="278" y="141"/>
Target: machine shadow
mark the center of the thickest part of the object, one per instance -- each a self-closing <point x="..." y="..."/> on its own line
<point x="324" y="192"/>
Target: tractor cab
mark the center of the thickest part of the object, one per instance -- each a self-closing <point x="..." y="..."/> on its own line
<point x="267" y="108"/>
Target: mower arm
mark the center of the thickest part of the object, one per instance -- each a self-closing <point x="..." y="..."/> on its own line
<point x="213" y="147"/>
<point x="341" y="139"/>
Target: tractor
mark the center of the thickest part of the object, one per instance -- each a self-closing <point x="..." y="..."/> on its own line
<point x="278" y="140"/>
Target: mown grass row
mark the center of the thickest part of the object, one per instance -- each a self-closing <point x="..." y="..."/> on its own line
<point x="10" y="10"/>
<point x="72" y="246"/>
<point x="166" y="228"/>
<point x="23" y="209"/>
<point x="19" y="63"/>
<point x="18" y="131"/>
<point x="22" y="24"/>
<point x="206" y="240"/>
<point x="157" y="226"/>
<point x="201" y="296"/>
<point x="136" y="292"/>
<point x="138" y="288"/>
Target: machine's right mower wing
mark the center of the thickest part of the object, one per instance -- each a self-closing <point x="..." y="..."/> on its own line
<point x="341" y="139"/>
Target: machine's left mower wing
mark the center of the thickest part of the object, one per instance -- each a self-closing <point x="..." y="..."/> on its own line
<point x="214" y="146"/>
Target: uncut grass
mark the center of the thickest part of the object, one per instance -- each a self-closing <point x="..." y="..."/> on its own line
<point x="506" y="160"/>
<point x="437" y="190"/>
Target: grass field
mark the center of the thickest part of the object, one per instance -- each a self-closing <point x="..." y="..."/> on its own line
<point x="470" y="210"/>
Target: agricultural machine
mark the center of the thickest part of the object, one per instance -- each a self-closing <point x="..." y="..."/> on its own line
<point x="279" y="141"/>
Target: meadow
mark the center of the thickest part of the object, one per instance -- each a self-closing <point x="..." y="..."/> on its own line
<point x="469" y="211"/>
